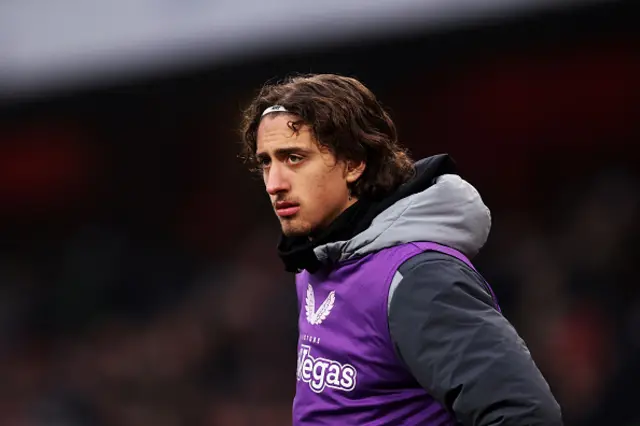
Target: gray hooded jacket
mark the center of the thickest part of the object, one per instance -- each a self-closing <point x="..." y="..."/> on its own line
<point x="443" y="320"/>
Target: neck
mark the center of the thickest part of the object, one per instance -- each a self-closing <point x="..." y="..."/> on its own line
<point x="351" y="201"/>
<point x="320" y="230"/>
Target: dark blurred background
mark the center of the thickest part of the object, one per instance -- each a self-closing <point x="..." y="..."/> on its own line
<point x="139" y="283"/>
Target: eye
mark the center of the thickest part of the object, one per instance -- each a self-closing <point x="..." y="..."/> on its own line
<point x="263" y="162"/>
<point x="294" y="159"/>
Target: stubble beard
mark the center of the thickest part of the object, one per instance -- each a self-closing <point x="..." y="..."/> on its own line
<point x="293" y="228"/>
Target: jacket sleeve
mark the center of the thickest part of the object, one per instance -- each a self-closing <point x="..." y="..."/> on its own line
<point x="462" y="350"/>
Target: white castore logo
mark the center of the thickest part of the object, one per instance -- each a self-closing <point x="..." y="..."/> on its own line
<point x="316" y="317"/>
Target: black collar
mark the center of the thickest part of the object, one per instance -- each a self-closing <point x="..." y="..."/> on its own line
<point x="297" y="252"/>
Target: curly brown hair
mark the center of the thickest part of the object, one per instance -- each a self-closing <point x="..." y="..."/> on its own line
<point x="345" y="117"/>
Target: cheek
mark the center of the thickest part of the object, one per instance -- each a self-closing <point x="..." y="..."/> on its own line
<point x="324" y="193"/>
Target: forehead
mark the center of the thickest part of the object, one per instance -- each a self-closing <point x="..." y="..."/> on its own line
<point x="274" y="132"/>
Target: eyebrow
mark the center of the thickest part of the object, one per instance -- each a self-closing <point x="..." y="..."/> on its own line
<point x="284" y="151"/>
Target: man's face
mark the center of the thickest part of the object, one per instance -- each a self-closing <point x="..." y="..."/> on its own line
<point x="306" y="185"/>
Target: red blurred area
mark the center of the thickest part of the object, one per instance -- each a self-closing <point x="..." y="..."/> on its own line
<point x="43" y="165"/>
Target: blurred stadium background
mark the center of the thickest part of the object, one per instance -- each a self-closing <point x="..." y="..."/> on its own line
<point x="139" y="283"/>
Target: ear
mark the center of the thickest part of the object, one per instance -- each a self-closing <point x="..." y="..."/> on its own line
<point x="354" y="170"/>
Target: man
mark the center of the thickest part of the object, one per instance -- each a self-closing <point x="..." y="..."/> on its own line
<point x="396" y="326"/>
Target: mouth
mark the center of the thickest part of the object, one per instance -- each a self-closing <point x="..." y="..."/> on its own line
<point x="286" y="209"/>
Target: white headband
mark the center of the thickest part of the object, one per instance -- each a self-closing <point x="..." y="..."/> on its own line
<point x="275" y="108"/>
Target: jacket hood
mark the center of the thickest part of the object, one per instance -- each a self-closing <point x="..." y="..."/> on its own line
<point x="449" y="211"/>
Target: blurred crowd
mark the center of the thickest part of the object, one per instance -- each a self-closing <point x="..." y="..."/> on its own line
<point x="105" y="348"/>
<point x="568" y="278"/>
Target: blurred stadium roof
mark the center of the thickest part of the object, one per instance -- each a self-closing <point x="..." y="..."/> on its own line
<point x="70" y="43"/>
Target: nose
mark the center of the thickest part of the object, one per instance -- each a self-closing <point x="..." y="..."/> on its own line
<point x="275" y="180"/>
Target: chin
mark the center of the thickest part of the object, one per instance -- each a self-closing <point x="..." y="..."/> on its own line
<point x="288" y="232"/>
<point x="292" y="229"/>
